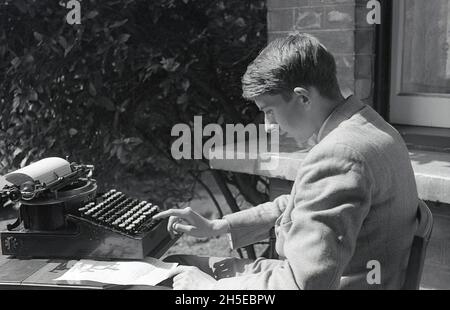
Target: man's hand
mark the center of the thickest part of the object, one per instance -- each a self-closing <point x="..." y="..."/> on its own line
<point x="191" y="278"/>
<point x="191" y="223"/>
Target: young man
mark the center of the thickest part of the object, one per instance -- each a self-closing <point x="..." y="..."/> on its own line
<point x="354" y="201"/>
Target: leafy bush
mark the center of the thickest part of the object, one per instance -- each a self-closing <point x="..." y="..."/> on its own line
<point x="109" y="90"/>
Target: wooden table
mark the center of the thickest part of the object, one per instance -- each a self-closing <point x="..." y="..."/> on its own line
<point x="41" y="274"/>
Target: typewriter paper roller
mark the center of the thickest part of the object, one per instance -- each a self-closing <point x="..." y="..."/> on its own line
<point x="45" y="171"/>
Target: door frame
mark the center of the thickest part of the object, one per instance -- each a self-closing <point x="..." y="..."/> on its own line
<point x="382" y="72"/>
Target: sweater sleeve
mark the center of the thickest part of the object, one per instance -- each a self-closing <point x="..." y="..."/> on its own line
<point x="254" y="224"/>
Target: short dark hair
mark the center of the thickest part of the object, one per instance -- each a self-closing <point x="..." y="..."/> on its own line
<point x="298" y="60"/>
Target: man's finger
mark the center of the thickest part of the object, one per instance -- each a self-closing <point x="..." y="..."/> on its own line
<point x="178" y="270"/>
<point x="182" y="213"/>
<point x="182" y="228"/>
<point x="179" y="285"/>
<point x="170" y="223"/>
<point x="178" y="277"/>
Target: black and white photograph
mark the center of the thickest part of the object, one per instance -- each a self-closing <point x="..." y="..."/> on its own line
<point x="225" y="149"/>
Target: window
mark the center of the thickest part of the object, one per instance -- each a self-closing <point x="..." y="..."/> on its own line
<point x="420" y="79"/>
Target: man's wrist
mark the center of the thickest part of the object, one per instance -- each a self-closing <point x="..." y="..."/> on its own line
<point x="221" y="226"/>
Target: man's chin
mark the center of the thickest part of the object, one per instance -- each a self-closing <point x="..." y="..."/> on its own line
<point x="306" y="143"/>
<point x="298" y="139"/>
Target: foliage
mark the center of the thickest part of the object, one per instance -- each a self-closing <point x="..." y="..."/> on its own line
<point x="108" y="91"/>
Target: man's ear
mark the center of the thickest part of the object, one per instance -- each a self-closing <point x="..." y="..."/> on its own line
<point x="303" y="96"/>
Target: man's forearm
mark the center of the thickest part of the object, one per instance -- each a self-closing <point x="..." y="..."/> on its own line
<point x="253" y="225"/>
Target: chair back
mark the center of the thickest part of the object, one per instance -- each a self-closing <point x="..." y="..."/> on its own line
<point x="419" y="248"/>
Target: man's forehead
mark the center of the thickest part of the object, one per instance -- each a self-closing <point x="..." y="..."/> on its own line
<point x="265" y="101"/>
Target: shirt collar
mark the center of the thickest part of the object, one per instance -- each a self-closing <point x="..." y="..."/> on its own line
<point x="343" y="112"/>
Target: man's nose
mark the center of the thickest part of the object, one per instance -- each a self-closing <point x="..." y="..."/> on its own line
<point x="270" y="123"/>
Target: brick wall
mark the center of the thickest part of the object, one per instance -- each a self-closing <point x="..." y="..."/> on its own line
<point x="341" y="26"/>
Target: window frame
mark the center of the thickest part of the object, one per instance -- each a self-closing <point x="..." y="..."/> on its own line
<point x="414" y="109"/>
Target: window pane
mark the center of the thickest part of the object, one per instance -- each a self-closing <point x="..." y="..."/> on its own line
<point x="426" y="54"/>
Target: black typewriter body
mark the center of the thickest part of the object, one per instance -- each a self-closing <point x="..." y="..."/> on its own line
<point x="72" y="220"/>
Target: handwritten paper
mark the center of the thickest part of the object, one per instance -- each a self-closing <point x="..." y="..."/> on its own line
<point x="149" y="272"/>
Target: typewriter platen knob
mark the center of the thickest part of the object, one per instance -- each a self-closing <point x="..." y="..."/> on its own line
<point x="28" y="190"/>
<point x="15" y="195"/>
<point x="11" y="244"/>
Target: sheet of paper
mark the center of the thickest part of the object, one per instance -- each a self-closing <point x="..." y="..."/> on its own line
<point x="149" y="272"/>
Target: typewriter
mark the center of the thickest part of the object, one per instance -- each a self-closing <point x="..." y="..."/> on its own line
<point x="61" y="215"/>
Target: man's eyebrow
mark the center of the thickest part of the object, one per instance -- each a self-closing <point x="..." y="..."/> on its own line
<point x="262" y="107"/>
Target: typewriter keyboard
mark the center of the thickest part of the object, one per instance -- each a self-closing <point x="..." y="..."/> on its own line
<point x="117" y="211"/>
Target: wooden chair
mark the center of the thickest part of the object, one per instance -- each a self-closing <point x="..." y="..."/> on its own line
<point x="419" y="248"/>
